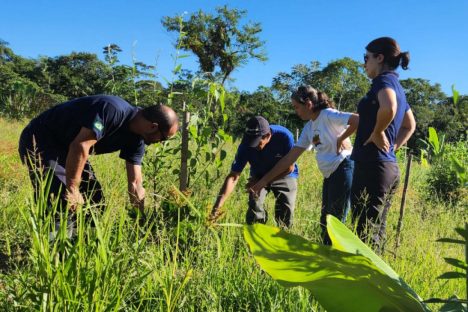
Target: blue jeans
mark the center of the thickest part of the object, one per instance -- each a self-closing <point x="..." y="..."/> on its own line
<point x="336" y="195"/>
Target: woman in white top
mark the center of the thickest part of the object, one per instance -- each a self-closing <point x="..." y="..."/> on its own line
<point x="327" y="132"/>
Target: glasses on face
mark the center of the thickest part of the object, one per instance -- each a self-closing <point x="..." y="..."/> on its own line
<point x="164" y="137"/>
<point x="366" y="58"/>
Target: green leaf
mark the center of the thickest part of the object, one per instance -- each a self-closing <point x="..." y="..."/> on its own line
<point x="177" y="69"/>
<point x="221" y="101"/>
<point x="206" y="132"/>
<point x="193" y="162"/>
<point x="343" y="239"/>
<point x="450" y="240"/>
<point x="193" y="131"/>
<point x="434" y="140"/>
<point x="460" y="170"/>
<point x="212" y="89"/>
<point x="456" y="263"/>
<point x="222" y="155"/>
<point x="339" y="280"/>
<point x="455" y="94"/>
<point x="463" y="232"/>
<point x="451" y="275"/>
<point x="453" y="304"/>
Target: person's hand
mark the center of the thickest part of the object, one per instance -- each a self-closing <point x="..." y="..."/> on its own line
<point x="215" y="215"/>
<point x="380" y="140"/>
<point x="342" y="144"/>
<point x="252" y="181"/>
<point x="256" y="189"/>
<point x="137" y="198"/>
<point x="74" y="199"/>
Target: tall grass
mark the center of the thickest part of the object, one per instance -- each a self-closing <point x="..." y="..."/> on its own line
<point x="153" y="264"/>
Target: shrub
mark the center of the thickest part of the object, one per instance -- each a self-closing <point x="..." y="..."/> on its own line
<point x="446" y="180"/>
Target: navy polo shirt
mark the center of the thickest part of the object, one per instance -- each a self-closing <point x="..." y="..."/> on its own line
<point x="261" y="162"/>
<point x="108" y="116"/>
<point x="367" y="110"/>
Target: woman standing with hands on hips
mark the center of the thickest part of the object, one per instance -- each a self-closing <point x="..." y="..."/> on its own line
<point x="326" y="131"/>
<point x="385" y="124"/>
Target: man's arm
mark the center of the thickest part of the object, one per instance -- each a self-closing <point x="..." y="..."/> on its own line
<point x="284" y="166"/>
<point x="135" y="186"/>
<point x="407" y="128"/>
<point x="385" y="115"/>
<point x="226" y="190"/>
<point x="78" y="153"/>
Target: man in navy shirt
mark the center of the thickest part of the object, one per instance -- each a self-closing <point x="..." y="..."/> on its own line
<point x="59" y="141"/>
<point x="262" y="147"/>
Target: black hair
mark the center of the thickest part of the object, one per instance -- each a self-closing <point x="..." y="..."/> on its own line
<point x="319" y="99"/>
<point x="390" y="49"/>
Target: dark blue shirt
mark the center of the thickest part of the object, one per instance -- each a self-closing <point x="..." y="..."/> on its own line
<point x="107" y="116"/>
<point x="367" y="110"/>
<point x="261" y="162"/>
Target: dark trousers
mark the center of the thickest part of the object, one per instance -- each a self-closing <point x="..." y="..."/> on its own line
<point x="284" y="190"/>
<point x="46" y="165"/>
<point x="374" y="185"/>
<point x="336" y="193"/>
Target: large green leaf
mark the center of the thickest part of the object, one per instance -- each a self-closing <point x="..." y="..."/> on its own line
<point x="343" y="239"/>
<point x="340" y="281"/>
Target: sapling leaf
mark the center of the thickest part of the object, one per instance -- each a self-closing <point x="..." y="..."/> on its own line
<point x="456" y="263"/>
<point x="450" y="240"/>
<point x="455" y="94"/>
<point x="462" y="232"/>
<point x="451" y="275"/>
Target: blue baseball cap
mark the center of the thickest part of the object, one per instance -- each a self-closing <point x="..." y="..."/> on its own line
<point x="256" y="128"/>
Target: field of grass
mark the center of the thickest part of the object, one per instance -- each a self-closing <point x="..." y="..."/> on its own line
<point x="159" y="264"/>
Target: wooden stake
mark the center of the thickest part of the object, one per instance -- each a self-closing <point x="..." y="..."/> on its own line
<point x="402" y="207"/>
<point x="183" y="173"/>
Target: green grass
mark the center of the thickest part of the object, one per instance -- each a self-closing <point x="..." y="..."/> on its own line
<point x="161" y="266"/>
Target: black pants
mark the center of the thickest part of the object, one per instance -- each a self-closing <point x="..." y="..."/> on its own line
<point x="46" y="165"/>
<point x="374" y="184"/>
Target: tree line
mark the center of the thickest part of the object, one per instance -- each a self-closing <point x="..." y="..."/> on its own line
<point x="222" y="44"/>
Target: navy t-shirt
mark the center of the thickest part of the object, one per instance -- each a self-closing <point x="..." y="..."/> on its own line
<point x="261" y="162"/>
<point x="108" y="116"/>
<point x="367" y="110"/>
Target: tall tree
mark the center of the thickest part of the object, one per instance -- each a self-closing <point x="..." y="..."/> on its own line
<point x="424" y="100"/>
<point x="77" y="74"/>
<point x="220" y="43"/>
<point x="343" y="80"/>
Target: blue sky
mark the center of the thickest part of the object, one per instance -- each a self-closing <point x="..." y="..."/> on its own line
<point x="435" y="32"/>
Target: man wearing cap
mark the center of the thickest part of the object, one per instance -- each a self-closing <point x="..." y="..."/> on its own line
<point x="262" y="146"/>
<point x="59" y="141"/>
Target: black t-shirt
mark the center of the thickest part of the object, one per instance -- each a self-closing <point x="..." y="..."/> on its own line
<point x="108" y="116"/>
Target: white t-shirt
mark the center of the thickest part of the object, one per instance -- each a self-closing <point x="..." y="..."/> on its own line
<point x="321" y="135"/>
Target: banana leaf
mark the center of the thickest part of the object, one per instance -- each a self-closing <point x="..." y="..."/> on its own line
<point x="343" y="239"/>
<point x="340" y="281"/>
